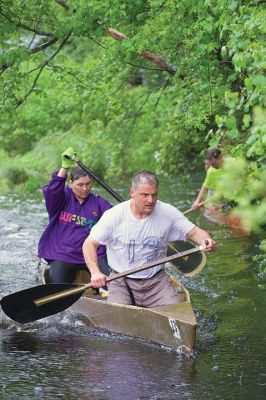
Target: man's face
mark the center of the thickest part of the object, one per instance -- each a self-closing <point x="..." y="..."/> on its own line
<point x="81" y="187"/>
<point x="144" y="198"/>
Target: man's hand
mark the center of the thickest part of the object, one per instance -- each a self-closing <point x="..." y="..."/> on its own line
<point x="200" y="236"/>
<point x="98" y="280"/>
<point x="209" y="244"/>
<point x="66" y="158"/>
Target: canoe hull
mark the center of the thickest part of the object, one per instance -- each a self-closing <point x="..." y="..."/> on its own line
<point x="173" y="326"/>
<point x="232" y="221"/>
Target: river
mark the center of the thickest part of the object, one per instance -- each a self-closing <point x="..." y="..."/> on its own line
<point x="60" y="357"/>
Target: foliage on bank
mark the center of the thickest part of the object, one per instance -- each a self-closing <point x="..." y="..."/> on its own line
<point x="134" y="84"/>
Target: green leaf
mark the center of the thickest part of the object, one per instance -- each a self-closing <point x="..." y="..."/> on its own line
<point x="233" y="5"/>
<point x="251" y="139"/>
<point x="230" y="122"/>
<point x="239" y="61"/>
<point x="259" y="81"/>
<point x="231" y="99"/>
<point x="232" y="133"/>
<point x="248" y="83"/>
<point x="246" y="120"/>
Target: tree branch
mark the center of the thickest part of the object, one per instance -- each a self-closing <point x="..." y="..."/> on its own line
<point x="55" y="67"/>
<point x="36" y="49"/>
<point x="98" y="43"/>
<point x="142" y="67"/>
<point x="210" y="88"/>
<point x="4" y="67"/>
<point x="34" y="30"/>
<point x="46" y="62"/>
<point x="137" y="113"/>
<point x="154" y="58"/>
<point x="162" y="90"/>
<point x="26" y="27"/>
<point x="116" y="35"/>
<point x="63" y="4"/>
<point x="43" y="46"/>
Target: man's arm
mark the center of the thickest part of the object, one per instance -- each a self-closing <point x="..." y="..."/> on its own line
<point x="202" y="237"/>
<point x="98" y="279"/>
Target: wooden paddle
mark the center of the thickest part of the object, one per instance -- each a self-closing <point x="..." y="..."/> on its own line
<point x="200" y="204"/>
<point x="44" y="300"/>
<point x="189" y="266"/>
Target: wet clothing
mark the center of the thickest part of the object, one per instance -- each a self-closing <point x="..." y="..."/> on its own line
<point x="133" y="242"/>
<point x="69" y="223"/>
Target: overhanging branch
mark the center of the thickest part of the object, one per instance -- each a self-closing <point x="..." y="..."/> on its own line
<point x="26" y="27"/>
<point x="45" y="63"/>
<point x="154" y="58"/>
<point x="36" y="49"/>
<point x="43" y="46"/>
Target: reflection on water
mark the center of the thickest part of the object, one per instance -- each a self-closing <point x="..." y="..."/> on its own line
<point x="61" y="357"/>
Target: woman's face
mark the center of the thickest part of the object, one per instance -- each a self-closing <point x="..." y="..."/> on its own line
<point x="81" y="187"/>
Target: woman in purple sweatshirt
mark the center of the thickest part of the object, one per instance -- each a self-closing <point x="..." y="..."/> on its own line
<point x="73" y="210"/>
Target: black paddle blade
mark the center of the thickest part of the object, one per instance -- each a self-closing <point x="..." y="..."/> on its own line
<point x="21" y="308"/>
<point x="189" y="265"/>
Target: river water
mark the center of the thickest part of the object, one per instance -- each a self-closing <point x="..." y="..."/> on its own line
<point x="60" y="357"/>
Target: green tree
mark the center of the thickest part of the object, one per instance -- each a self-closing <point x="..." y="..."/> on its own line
<point x="132" y="84"/>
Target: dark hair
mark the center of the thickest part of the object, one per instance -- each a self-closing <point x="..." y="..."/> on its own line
<point x="213" y="153"/>
<point x="77" y="173"/>
<point x="144" y="177"/>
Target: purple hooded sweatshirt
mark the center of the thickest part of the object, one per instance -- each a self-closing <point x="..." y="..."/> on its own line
<point x="69" y="222"/>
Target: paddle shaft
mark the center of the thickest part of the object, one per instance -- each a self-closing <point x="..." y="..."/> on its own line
<point x="200" y="204"/>
<point x="97" y="179"/>
<point x="82" y="288"/>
